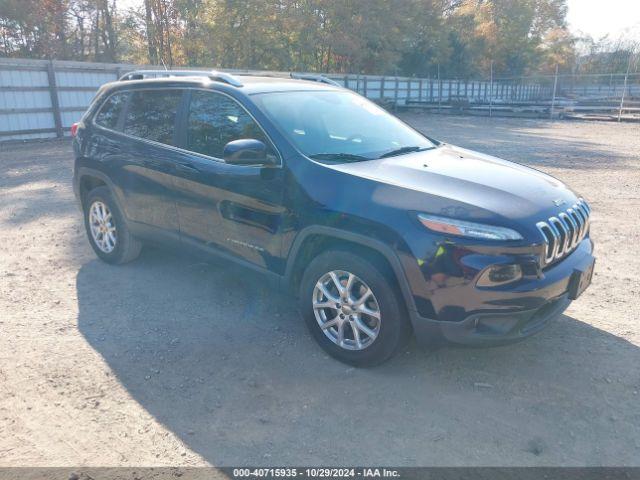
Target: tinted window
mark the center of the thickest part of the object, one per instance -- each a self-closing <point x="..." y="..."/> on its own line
<point x="215" y="120"/>
<point x="152" y="113"/>
<point x="110" y="111"/>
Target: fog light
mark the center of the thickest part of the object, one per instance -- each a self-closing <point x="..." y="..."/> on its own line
<point x="500" y="275"/>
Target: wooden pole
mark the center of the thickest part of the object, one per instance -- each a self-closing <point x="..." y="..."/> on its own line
<point x="439" y="90"/>
<point x="395" y="96"/>
<point x="55" y="103"/>
<point x="624" y="88"/>
<point x="553" y="98"/>
<point x="491" y="91"/>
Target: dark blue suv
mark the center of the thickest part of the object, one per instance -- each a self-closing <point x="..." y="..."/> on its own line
<point x="379" y="230"/>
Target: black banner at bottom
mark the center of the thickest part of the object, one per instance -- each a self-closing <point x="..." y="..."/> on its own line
<point x="285" y="473"/>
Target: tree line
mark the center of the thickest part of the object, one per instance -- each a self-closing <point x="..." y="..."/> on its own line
<point x="453" y="38"/>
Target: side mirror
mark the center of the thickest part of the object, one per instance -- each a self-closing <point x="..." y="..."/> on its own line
<point x="246" y="151"/>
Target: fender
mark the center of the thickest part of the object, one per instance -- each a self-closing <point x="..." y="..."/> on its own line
<point x="357" y="238"/>
<point x="92" y="172"/>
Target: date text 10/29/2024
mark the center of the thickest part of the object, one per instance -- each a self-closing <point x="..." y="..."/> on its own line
<point x="364" y="472"/>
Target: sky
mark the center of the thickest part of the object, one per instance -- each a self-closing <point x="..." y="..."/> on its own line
<point x="593" y="17"/>
<point x="601" y="17"/>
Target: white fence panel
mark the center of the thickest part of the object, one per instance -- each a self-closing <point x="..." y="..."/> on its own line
<point x="25" y="99"/>
<point x="40" y="99"/>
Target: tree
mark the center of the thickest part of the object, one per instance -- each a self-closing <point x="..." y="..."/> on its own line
<point x="160" y="16"/>
<point x="458" y="38"/>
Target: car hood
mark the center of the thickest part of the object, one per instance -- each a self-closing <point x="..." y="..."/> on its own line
<point x="468" y="178"/>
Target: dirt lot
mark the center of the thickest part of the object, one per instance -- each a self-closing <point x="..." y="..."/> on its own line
<point x="170" y="362"/>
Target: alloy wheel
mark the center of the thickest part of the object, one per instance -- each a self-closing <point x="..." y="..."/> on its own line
<point x="102" y="227"/>
<point x="346" y="310"/>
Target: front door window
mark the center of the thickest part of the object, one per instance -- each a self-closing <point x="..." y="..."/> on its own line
<point x="215" y="120"/>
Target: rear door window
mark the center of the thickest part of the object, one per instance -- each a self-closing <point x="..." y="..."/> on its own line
<point x="151" y="115"/>
<point x="214" y="120"/>
<point x="110" y="111"/>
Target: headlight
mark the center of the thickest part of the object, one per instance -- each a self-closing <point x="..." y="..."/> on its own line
<point x="467" y="229"/>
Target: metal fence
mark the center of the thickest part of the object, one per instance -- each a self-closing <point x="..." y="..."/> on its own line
<point x="42" y="99"/>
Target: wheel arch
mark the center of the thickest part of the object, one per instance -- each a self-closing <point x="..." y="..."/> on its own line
<point x="89" y="179"/>
<point x="88" y="183"/>
<point x="316" y="239"/>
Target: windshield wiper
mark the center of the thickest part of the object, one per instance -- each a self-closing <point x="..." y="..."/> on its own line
<point x="402" y="151"/>
<point x="339" y="156"/>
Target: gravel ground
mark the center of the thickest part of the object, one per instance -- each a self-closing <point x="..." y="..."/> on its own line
<point x="167" y="361"/>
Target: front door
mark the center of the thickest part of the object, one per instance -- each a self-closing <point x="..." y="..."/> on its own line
<point x="234" y="209"/>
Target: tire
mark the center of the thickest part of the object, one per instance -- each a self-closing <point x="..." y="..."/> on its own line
<point x="120" y="247"/>
<point x="393" y="328"/>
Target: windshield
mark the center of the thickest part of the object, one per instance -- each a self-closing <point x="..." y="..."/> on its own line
<point x="339" y="126"/>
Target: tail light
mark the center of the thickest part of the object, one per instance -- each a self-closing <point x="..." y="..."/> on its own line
<point x="74" y="129"/>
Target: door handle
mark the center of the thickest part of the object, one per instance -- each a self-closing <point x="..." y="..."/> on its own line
<point x="187" y="168"/>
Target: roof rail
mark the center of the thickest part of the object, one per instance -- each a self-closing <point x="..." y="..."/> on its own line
<point x="211" y="74"/>
<point x="314" y="78"/>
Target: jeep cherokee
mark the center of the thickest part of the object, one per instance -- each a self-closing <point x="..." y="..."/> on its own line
<point x="379" y="230"/>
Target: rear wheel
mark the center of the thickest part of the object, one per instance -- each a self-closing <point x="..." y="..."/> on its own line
<point x="352" y="309"/>
<point x="106" y="229"/>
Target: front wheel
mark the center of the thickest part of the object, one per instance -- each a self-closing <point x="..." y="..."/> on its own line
<point x="352" y="309"/>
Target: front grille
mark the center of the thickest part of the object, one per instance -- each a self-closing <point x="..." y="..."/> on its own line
<point x="562" y="233"/>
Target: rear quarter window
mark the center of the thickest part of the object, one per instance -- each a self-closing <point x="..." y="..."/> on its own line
<point x="151" y="115"/>
<point x="110" y="111"/>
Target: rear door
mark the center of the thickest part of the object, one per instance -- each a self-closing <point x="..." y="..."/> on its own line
<point x="148" y="161"/>
<point x="230" y="208"/>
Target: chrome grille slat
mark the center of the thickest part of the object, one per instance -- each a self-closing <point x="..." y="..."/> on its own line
<point x="578" y="220"/>
<point x="564" y="231"/>
<point x="583" y="219"/>
<point x="585" y="213"/>
<point x="550" y="241"/>
<point x="572" y="227"/>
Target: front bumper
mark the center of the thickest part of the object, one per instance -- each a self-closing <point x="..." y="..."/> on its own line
<point x="491" y="329"/>
<point x="507" y="314"/>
